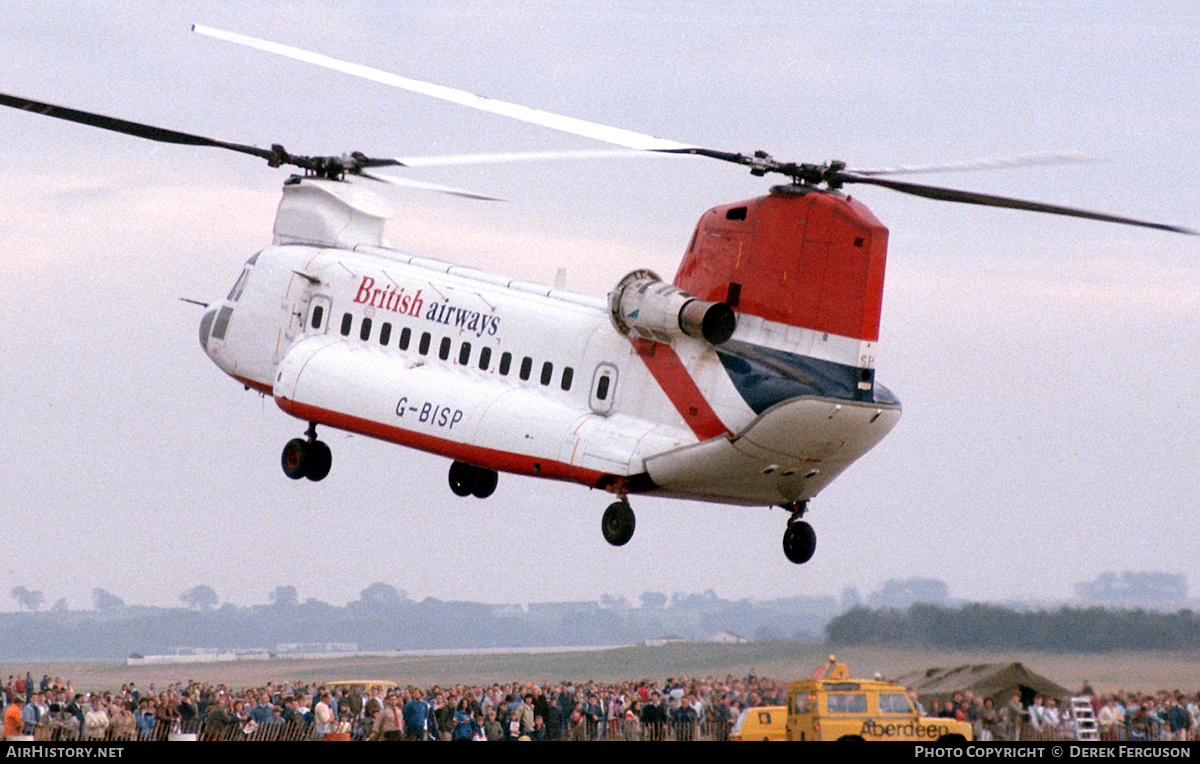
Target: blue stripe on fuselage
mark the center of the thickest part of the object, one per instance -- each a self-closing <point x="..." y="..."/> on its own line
<point x="765" y="376"/>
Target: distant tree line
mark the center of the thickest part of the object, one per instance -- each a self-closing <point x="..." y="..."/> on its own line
<point x="385" y="618"/>
<point x="1092" y="629"/>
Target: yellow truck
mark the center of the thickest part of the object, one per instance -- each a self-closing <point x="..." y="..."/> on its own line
<point x="761" y="723"/>
<point x="835" y="707"/>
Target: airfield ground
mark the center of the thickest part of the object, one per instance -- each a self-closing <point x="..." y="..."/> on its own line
<point x="1106" y="672"/>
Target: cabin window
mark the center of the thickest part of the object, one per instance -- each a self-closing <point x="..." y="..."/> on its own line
<point x="347" y="320"/>
<point x="547" y="372"/>
<point x="568" y="375"/>
<point x="364" y="333"/>
<point x="505" y="363"/>
<point x="526" y="367"/>
<point x="801" y="703"/>
<point x="405" y="336"/>
<point x="602" y="388"/>
<point x="318" y="312"/>
<point x="894" y="703"/>
<point x="464" y="354"/>
<point x="485" y="357"/>
<point x="846" y="703"/>
<point x="423" y="345"/>
<point x="444" y="349"/>
<point x="385" y="333"/>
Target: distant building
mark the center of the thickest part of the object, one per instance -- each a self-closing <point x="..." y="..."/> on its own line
<point x="660" y="641"/>
<point x="316" y="647"/>
<point x="728" y="638"/>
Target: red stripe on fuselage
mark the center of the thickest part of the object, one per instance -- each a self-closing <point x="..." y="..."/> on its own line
<point x="477" y="455"/>
<point x="672" y="376"/>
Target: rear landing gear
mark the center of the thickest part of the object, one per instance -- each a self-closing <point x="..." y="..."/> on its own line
<point x="469" y="480"/>
<point x="799" y="540"/>
<point x="306" y="458"/>
<point x="618" y="523"/>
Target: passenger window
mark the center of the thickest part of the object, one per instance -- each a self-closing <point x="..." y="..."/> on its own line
<point x="526" y="367"/>
<point x="385" y="334"/>
<point x="405" y="336"/>
<point x="604" y="388"/>
<point x="347" y="320"/>
<point x="364" y="333"/>
<point x="485" y="358"/>
<point x="423" y="346"/>
<point x="444" y="349"/>
<point x="547" y="372"/>
<point x="568" y="375"/>
<point x="464" y="354"/>
<point x="505" y="363"/>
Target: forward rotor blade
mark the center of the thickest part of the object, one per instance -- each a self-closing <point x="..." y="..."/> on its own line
<point x="127" y="127"/>
<point x="523" y="156"/>
<point x="970" y="197"/>
<point x="405" y="182"/>
<point x="605" y="133"/>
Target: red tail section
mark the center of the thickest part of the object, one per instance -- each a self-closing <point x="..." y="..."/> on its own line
<point x="814" y="260"/>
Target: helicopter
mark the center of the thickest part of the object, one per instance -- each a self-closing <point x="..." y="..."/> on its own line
<point x="748" y="379"/>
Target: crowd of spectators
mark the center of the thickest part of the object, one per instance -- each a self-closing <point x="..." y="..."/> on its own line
<point x="1134" y="716"/>
<point x="683" y="708"/>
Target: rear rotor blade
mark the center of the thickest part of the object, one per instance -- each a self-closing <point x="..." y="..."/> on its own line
<point x="970" y="197"/>
<point x="995" y="163"/>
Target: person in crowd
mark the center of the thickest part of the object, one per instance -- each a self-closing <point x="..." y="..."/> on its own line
<point x="419" y="723"/>
<point x="95" y="721"/>
<point x="122" y="722"/>
<point x="323" y="716"/>
<point x="14" y="723"/>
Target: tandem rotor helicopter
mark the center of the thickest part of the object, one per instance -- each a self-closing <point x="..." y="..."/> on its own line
<point x="749" y="379"/>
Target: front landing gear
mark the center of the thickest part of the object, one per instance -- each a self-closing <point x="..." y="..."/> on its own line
<point x="307" y="458"/>
<point x="799" y="540"/>
<point x="618" y="523"/>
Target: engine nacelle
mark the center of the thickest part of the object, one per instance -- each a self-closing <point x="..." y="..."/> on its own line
<point x="643" y="304"/>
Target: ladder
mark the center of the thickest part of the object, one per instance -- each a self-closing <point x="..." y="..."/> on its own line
<point x="1085" y="719"/>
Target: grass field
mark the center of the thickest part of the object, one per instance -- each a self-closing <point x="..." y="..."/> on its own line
<point x="785" y="661"/>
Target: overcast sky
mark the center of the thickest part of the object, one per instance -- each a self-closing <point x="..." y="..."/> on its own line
<point x="1047" y="366"/>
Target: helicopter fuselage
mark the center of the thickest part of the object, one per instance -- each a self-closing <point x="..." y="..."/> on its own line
<point x="515" y="377"/>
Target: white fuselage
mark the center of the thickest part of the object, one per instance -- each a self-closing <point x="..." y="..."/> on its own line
<point x="520" y="378"/>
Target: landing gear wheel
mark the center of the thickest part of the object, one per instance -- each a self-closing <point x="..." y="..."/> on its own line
<point x="485" y="482"/>
<point x="295" y="458"/>
<point x="317" y="461"/>
<point x="462" y="478"/>
<point x="618" y="523"/>
<point x="799" y="542"/>
<point x="467" y="480"/>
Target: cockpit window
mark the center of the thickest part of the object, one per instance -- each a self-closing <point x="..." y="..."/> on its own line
<point x="222" y="323"/>
<point x="235" y="294"/>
